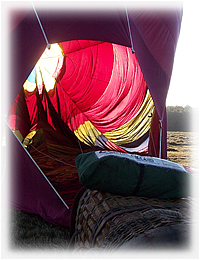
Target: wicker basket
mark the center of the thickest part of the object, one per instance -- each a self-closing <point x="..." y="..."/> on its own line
<point x="107" y="221"/>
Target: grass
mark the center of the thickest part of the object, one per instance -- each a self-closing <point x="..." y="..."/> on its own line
<point x="183" y="148"/>
<point x="32" y="232"/>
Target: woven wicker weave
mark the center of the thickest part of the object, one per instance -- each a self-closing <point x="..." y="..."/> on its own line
<point x="104" y="220"/>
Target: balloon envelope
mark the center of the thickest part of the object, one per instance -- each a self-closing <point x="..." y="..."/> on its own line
<point x="90" y="86"/>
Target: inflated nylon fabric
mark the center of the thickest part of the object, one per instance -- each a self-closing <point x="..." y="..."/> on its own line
<point x="127" y="133"/>
<point x="100" y="89"/>
<point x="123" y="95"/>
<point x="136" y="127"/>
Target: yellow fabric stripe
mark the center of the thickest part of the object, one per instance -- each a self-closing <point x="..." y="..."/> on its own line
<point x="136" y="127"/>
<point x="29" y="138"/>
<point x="87" y="133"/>
<point x="127" y="133"/>
<point x="29" y="86"/>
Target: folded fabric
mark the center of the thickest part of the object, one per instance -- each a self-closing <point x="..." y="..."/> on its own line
<point x="130" y="174"/>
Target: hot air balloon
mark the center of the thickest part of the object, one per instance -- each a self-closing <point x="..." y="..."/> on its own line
<point x="84" y="80"/>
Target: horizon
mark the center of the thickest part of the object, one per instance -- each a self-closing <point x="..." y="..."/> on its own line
<point x="183" y="106"/>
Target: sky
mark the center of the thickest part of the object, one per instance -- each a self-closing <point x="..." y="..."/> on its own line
<point x="185" y="85"/>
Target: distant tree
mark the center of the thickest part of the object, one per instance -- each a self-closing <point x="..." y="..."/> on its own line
<point x="180" y="118"/>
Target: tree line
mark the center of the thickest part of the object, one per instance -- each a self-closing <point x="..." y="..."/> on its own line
<point x="183" y="119"/>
